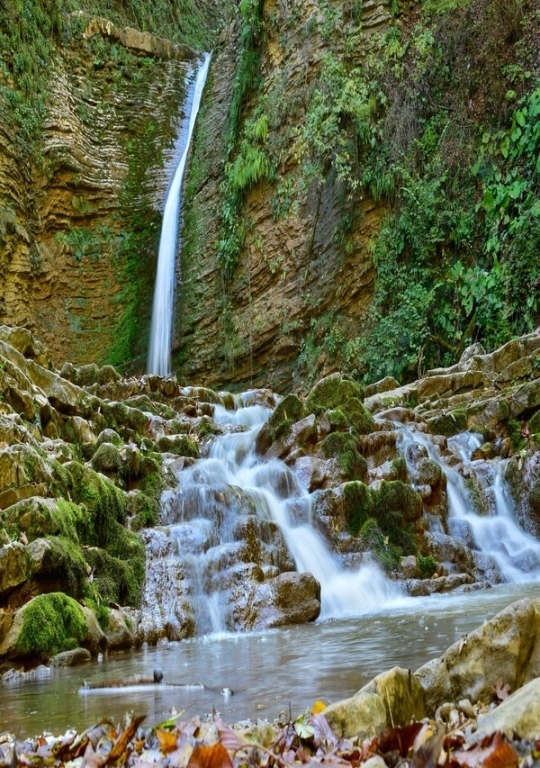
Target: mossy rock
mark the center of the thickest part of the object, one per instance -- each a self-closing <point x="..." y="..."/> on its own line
<point x="332" y="392"/>
<point x="387" y="552"/>
<point x="337" y="420"/>
<point x="429" y="473"/>
<point x="290" y="410"/>
<point x="342" y="446"/>
<point x="142" y="510"/>
<point x="117" y="580"/>
<point x="51" y="623"/>
<point x="108" y="436"/>
<point x="395" y="496"/>
<point x="107" y="458"/>
<point x="105" y="502"/>
<point x="143" y="403"/>
<point x="358" y="417"/>
<point x="180" y="445"/>
<point x="63" y="564"/>
<point x="534" y="424"/>
<point x="87" y="375"/>
<point x="358" y="505"/>
<point x="207" y="428"/>
<point x="399" y="469"/>
<point x="448" y="424"/>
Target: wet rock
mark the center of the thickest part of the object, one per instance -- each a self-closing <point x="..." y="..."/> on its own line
<point x="117" y="632"/>
<point x="393" y="698"/>
<point x="71" y="658"/>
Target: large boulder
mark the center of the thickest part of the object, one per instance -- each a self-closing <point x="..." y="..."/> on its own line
<point x="507" y="647"/>
<point x="518" y="715"/>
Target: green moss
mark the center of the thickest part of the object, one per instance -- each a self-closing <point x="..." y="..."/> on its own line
<point x="426" y="566"/>
<point x="387" y="553"/>
<point x="360" y="419"/>
<point x="342" y="446"/>
<point x="51" y="623"/>
<point x="517" y="441"/>
<point x="399" y="469"/>
<point x="180" y="445"/>
<point x="395" y="496"/>
<point x="65" y="565"/>
<point x="117" y="580"/>
<point x="338" y="420"/>
<point x="287" y="412"/>
<point x="333" y="392"/>
<point x="145" y="512"/>
<point x="153" y="486"/>
<point x="358" y="505"/>
<point x="448" y="424"/>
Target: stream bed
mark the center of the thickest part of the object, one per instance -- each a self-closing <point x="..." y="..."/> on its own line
<point x="268" y="672"/>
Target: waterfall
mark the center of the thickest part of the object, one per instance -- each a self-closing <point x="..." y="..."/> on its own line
<point x="501" y="549"/>
<point x="159" y="355"/>
<point x="222" y="503"/>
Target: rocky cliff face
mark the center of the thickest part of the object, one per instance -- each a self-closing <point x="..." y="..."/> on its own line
<point x="85" y="153"/>
<point x="305" y="259"/>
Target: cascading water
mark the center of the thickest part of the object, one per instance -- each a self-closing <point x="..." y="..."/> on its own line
<point x="162" y="312"/>
<point x="222" y="503"/>
<point x="502" y="550"/>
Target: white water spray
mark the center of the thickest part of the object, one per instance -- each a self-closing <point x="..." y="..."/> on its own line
<point x="159" y="355"/>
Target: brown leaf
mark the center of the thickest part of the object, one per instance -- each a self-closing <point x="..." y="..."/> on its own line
<point x="399" y="739"/>
<point x="497" y="754"/>
<point x="123" y="741"/>
<point x="210" y="757"/>
<point x="167" y="740"/>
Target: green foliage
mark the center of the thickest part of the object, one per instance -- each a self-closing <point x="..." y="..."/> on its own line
<point x="426" y="566"/>
<point x="51" y="623"/>
<point x="248" y="161"/>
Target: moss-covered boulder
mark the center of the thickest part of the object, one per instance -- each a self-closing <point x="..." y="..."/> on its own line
<point x="341" y="446"/>
<point x="50" y="624"/>
<point x="180" y="445"/>
<point x="357" y="505"/>
<point x="290" y="410"/>
<point x="333" y="392"/>
<point x="107" y="459"/>
<point x="448" y="424"/>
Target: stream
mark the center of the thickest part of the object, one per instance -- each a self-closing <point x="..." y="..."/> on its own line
<point x="268" y="671"/>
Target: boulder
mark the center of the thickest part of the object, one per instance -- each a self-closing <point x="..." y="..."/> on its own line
<point x="118" y="633"/>
<point x="71" y="658"/>
<point x="393" y="698"/>
<point x="13" y="566"/>
<point x="507" y="647"/>
<point x="517" y="716"/>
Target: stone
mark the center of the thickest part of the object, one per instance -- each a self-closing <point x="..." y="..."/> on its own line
<point x="118" y="634"/>
<point x="393" y="698"/>
<point x="70" y="658"/>
<point x="507" y="647"/>
<point x="517" y="716"/>
<point x="13" y="566"/>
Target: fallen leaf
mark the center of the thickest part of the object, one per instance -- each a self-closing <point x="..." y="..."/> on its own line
<point x="399" y="739"/>
<point x="167" y="740"/>
<point x="210" y="757"/>
<point x="497" y="754"/>
<point x="318" y="707"/>
<point x="227" y="736"/>
<point x="122" y="743"/>
<point x="427" y="754"/>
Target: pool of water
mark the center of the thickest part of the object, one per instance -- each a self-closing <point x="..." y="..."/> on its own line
<point x="268" y="672"/>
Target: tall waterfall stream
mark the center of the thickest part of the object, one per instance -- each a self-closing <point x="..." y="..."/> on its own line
<point x="159" y="355"/>
<point x="368" y="624"/>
